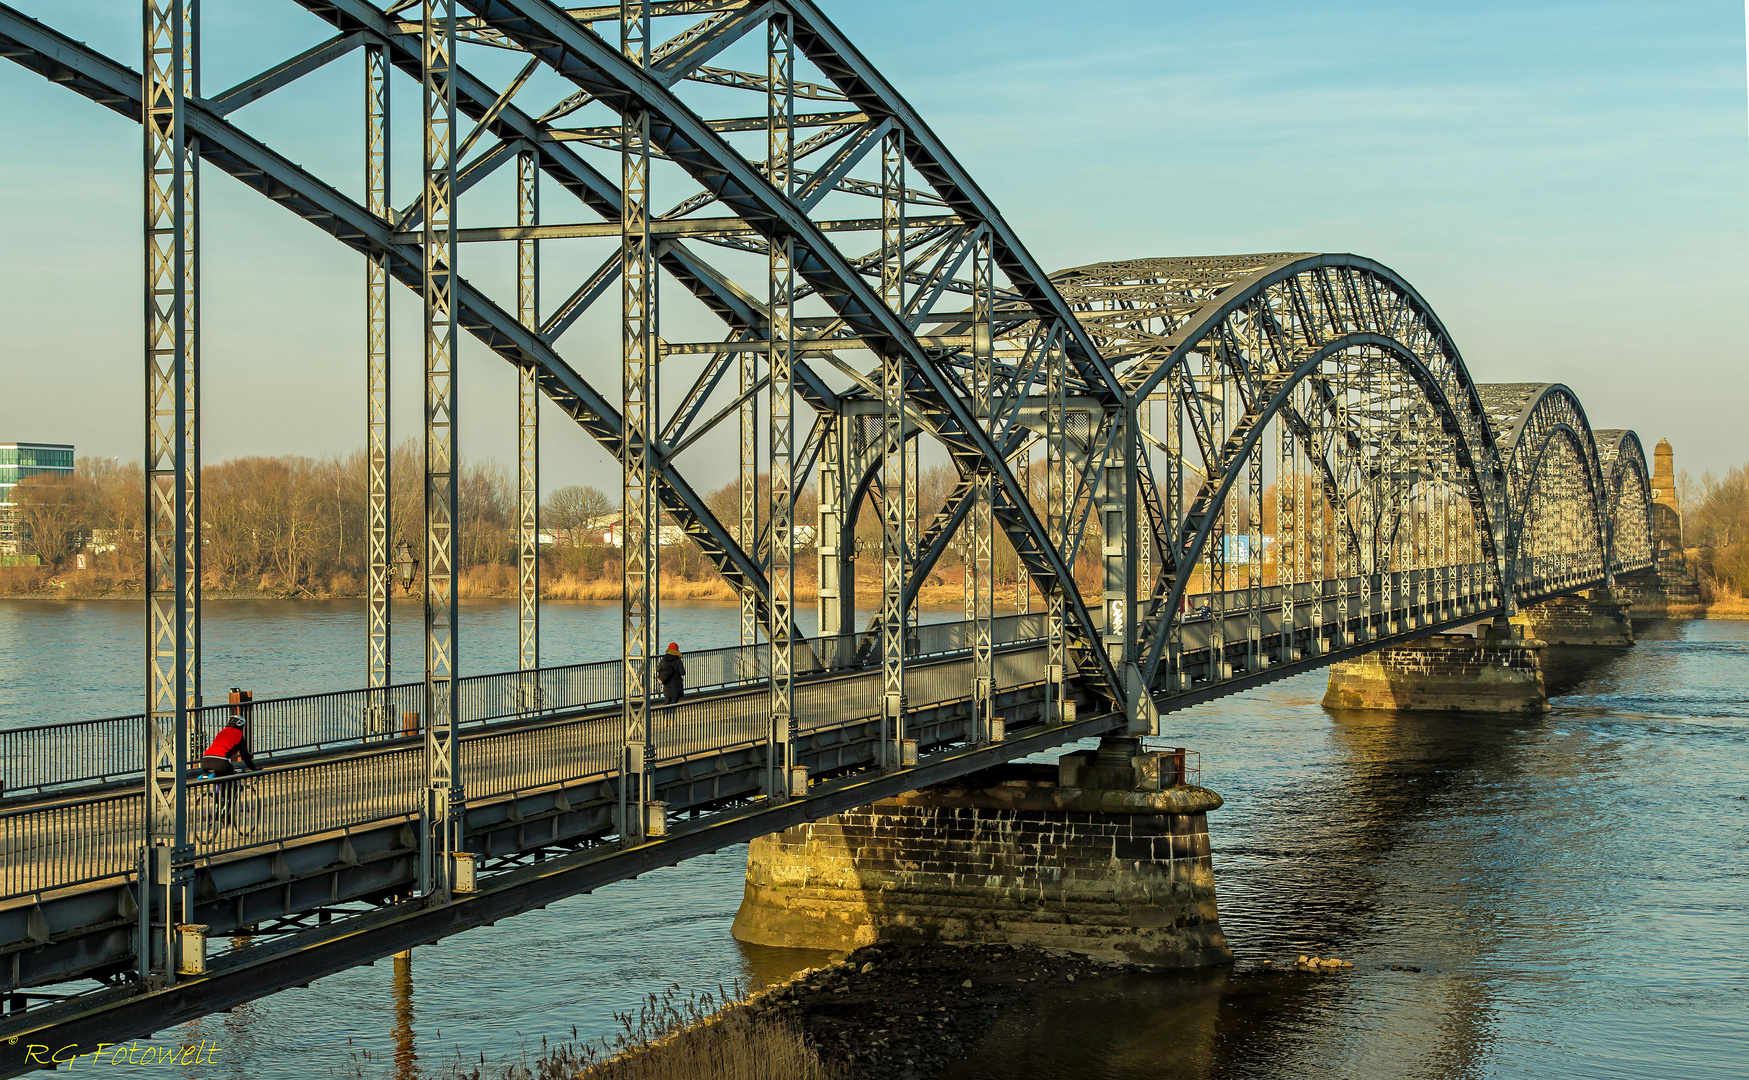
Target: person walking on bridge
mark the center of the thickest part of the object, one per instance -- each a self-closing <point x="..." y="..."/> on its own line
<point x="671" y="673"/>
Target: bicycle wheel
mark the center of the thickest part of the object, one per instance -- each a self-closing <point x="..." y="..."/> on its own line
<point x="245" y="811"/>
<point x="205" y="815"/>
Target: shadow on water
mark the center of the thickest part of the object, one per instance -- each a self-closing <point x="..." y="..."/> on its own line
<point x="766" y="965"/>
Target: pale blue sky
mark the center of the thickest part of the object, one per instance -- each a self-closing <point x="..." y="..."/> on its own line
<point x="1567" y="184"/>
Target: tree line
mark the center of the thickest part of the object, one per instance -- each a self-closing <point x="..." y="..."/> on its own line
<point x="1715" y="526"/>
<point x="299" y="525"/>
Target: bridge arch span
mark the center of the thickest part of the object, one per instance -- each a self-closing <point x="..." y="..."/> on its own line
<point x="1557" y="514"/>
<point x="1628" y="489"/>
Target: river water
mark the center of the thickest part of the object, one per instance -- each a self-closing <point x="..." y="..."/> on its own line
<point x="1572" y="886"/>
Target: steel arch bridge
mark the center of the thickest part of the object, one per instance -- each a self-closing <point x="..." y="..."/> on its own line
<point x="1260" y="462"/>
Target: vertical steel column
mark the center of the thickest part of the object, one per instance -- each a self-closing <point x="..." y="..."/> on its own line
<point x="528" y="438"/>
<point x="1145" y="550"/>
<point x="444" y="797"/>
<point x="748" y="534"/>
<point x="1254" y="658"/>
<point x="376" y="389"/>
<point x="1057" y="496"/>
<point x="836" y="606"/>
<point x="780" y="108"/>
<point x="983" y="522"/>
<point x="171" y="412"/>
<point x="1172" y="510"/>
<point x="1221" y="550"/>
<point x="1287" y="496"/>
<point x="1022" y="580"/>
<point x="1117" y="540"/>
<point x="640" y="524"/>
<point x="191" y="348"/>
<point x="895" y="536"/>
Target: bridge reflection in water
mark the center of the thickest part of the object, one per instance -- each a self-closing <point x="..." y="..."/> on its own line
<point x="1262" y="462"/>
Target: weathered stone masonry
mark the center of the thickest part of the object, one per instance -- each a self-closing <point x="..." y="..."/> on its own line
<point x="1497" y="672"/>
<point x="1007" y="855"/>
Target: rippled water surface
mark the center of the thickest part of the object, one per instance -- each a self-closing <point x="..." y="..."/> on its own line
<point x="1573" y="887"/>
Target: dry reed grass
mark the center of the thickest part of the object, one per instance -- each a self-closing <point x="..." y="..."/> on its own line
<point x="670" y="1037"/>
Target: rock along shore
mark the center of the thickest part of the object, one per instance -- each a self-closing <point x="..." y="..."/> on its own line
<point x="902" y="1012"/>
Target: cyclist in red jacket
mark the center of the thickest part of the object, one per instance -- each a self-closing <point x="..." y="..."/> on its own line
<point x="231" y="744"/>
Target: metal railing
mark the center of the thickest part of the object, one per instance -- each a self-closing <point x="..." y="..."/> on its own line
<point x="50" y="757"/>
<point x="84" y="839"/>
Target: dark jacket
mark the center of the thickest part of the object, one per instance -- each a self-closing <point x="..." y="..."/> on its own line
<point x="671" y="673"/>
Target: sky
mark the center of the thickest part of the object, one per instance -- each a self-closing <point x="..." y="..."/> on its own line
<point x="1567" y="184"/>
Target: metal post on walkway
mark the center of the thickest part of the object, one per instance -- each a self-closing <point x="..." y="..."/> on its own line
<point x="528" y="440"/>
<point x="780" y="630"/>
<point x="172" y="479"/>
<point x="444" y="797"/>
<point x="639" y="521"/>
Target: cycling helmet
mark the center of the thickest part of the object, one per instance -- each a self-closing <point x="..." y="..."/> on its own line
<point x="235" y="721"/>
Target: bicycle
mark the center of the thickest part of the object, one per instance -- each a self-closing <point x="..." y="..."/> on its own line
<point x="228" y="802"/>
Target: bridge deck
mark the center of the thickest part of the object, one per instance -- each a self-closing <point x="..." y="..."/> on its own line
<point x="337" y="825"/>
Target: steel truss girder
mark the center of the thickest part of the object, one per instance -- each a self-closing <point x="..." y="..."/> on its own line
<point x="583" y="58"/>
<point x="513" y="127"/>
<point x="242" y="156"/>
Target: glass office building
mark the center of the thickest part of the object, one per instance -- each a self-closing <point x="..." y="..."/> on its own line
<point x="20" y="461"/>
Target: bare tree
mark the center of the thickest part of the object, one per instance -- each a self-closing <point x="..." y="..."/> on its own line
<point x="51" y="511"/>
<point x="571" y="510"/>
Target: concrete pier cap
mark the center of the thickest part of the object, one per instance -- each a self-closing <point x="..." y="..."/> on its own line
<point x="1105" y="854"/>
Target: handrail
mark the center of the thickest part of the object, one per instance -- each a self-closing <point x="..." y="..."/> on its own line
<point x="56" y="757"/>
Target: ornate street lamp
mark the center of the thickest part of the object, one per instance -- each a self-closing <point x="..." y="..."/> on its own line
<point x="405" y="566"/>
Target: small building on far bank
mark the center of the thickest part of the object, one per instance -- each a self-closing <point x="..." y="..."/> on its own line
<point x="21" y="461"/>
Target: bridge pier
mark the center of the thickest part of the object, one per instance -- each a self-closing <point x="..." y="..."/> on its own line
<point x="1105" y="854"/>
<point x="1498" y="670"/>
<point x="1599" y="618"/>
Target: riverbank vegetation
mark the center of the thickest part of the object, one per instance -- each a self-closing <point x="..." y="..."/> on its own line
<point x="1715" y="526"/>
<point x="670" y="1037"/>
<point x="296" y="526"/>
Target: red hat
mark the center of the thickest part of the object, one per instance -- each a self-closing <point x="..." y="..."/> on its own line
<point x="674" y="646"/>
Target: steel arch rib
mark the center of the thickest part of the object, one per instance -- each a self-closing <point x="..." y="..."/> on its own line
<point x="116" y="86"/>
<point x="1189" y="553"/>
<point x="1545" y="411"/>
<point x="573" y="51"/>
<point x="1476" y="443"/>
<point x="833" y="53"/>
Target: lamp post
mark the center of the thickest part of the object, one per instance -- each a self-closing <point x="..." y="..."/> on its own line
<point x="406" y="566"/>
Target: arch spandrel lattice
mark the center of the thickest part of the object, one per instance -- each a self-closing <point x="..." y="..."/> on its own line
<point x="1557" y="507"/>
<point x="1196" y="335"/>
<point x="1628" y="485"/>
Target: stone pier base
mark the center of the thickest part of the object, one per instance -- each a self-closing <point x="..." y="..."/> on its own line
<point x="1105" y="856"/>
<point x="1597" y="619"/>
<point x="1497" y="671"/>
